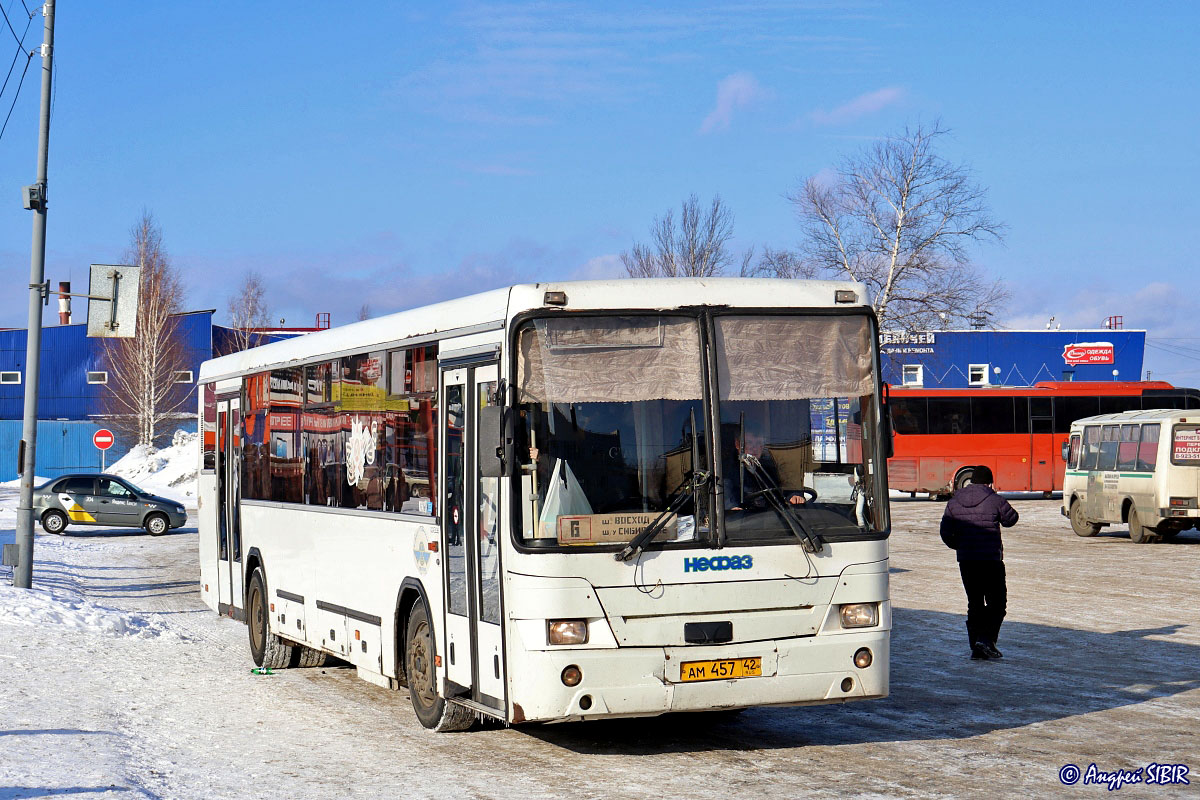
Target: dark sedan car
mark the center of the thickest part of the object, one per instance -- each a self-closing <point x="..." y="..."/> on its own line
<point x="105" y="500"/>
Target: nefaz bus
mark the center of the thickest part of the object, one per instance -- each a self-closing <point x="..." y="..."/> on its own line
<point x="1016" y="431"/>
<point x="563" y="501"/>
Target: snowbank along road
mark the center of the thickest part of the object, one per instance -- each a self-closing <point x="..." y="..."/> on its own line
<point x="116" y="682"/>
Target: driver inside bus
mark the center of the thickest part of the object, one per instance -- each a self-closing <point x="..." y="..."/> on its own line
<point x="744" y="491"/>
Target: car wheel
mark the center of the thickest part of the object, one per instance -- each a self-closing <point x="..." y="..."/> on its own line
<point x="1138" y="532"/>
<point x="267" y="649"/>
<point x="157" y="524"/>
<point x="1079" y="523"/>
<point x="433" y="710"/>
<point x="54" y="521"/>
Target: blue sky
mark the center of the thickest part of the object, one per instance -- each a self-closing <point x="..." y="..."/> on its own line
<point x="393" y="154"/>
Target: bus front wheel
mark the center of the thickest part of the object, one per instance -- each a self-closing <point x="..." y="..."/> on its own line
<point x="1079" y="523"/>
<point x="963" y="479"/>
<point x="1137" y="531"/>
<point x="433" y="710"/>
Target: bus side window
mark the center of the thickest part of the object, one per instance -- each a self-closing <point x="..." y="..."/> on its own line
<point x="1073" y="453"/>
<point x="1110" y="439"/>
<point x="1128" y="449"/>
<point x="1091" y="447"/>
<point x="1148" y="448"/>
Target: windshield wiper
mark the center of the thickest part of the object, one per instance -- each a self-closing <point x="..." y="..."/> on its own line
<point x="692" y="481"/>
<point x="774" y="495"/>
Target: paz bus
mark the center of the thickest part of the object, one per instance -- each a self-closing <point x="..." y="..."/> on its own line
<point x="563" y="501"/>
<point x="1016" y="431"/>
<point x="1137" y="467"/>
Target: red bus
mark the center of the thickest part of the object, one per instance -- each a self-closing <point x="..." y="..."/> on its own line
<point x="1018" y="432"/>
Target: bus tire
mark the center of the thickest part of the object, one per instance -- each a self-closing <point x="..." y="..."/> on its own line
<point x="963" y="478"/>
<point x="267" y="649"/>
<point x="308" y="657"/>
<point x="1079" y="523"/>
<point x="1138" y="532"/>
<point x="432" y="710"/>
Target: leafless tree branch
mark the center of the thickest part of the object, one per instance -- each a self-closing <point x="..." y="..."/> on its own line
<point x="901" y="219"/>
<point x="142" y="392"/>
<point x="696" y="247"/>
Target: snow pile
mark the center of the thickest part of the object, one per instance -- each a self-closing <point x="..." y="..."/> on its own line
<point x="53" y="607"/>
<point x="169" y="472"/>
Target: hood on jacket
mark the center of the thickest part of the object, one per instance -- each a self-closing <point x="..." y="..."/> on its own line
<point x="973" y="494"/>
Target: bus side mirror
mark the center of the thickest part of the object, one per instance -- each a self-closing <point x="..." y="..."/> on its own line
<point x="1066" y="450"/>
<point x="495" y="442"/>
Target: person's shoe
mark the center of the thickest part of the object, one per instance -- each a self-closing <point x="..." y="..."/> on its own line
<point x="978" y="653"/>
<point x="991" y="650"/>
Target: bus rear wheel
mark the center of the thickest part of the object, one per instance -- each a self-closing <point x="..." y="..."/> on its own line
<point x="433" y="710"/>
<point x="1137" y="531"/>
<point x="267" y="649"/>
<point x="963" y="479"/>
<point x="1079" y="523"/>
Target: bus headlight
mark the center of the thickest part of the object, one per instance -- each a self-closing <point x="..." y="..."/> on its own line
<point x="859" y="615"/>
<point x="567" y="631"/>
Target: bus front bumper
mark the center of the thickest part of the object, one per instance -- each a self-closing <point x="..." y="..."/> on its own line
<point x="645" y="681"/>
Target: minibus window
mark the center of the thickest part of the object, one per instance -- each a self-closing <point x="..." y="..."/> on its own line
<point x="1073" y="454"/>
<point x="1110" y="437"/>
<point x="1091" y="447"/>
<point x="1127" y="452"/>
<point x="1148" y="449"/>
<point x="1185" y="445"/>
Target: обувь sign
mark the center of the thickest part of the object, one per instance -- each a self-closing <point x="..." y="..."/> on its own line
<point x="1088" y="353"/>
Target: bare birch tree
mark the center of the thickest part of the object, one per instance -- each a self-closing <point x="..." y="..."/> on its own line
<point x="249" y="312"/>
<point x="142" y="392"/>
<point x="695" y="248"/>
<point x="901" y="218"/>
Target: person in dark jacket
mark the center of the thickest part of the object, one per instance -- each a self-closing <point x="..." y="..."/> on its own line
<point x="971" y="525"/>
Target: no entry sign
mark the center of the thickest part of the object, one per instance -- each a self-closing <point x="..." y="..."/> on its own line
<point x="103" y="438"/>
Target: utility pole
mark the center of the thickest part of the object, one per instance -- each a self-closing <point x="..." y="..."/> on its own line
<point x="35" y="200"/>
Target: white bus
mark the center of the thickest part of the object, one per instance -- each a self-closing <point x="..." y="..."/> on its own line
<point x="1137" y="467"/>
<point x="563" y="501"/>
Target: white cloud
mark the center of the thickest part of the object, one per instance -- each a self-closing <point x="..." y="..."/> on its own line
<point x="861" y="106"/>
<point x="739" y="90"/>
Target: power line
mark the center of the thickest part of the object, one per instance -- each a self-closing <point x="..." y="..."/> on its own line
<point x="19" y="40"/>
<point x="16" y="96"/>
<point x="20" y="49"/>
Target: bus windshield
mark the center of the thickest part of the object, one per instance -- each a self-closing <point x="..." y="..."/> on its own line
<point x="612" y="436"/>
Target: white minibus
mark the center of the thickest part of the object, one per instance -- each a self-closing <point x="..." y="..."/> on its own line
<point x="1137" y="467"/>
<point x="563" y="501"/>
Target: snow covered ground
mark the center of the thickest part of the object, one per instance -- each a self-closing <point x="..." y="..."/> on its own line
<point x="116" y="682"/>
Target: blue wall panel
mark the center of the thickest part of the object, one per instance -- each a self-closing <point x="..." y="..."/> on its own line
<point x="68" y="355"/>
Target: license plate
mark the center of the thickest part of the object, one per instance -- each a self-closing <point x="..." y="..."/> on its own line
<point x="722" y="669"/>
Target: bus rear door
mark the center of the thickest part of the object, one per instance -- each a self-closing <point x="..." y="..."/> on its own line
<point x="1041" y="445"/>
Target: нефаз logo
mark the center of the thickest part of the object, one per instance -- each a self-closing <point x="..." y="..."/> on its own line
<point x="717" y="563"/>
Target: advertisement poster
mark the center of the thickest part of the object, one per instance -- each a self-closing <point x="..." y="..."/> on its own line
<point x="1186" y="445"/>
<point x="828" y="431"/>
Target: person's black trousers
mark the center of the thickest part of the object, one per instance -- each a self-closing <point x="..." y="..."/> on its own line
<point x="987" y="598"/>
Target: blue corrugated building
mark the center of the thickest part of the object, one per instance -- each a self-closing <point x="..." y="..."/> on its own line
<point x="963" y="359"/>
<point x="70" y="386"/>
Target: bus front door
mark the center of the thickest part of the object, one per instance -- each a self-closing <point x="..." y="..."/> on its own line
<point x="470" y="531"/>
<point x="229" y="540"/>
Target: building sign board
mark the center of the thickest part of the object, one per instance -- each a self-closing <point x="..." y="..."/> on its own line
<point x="1089" y="353"/>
